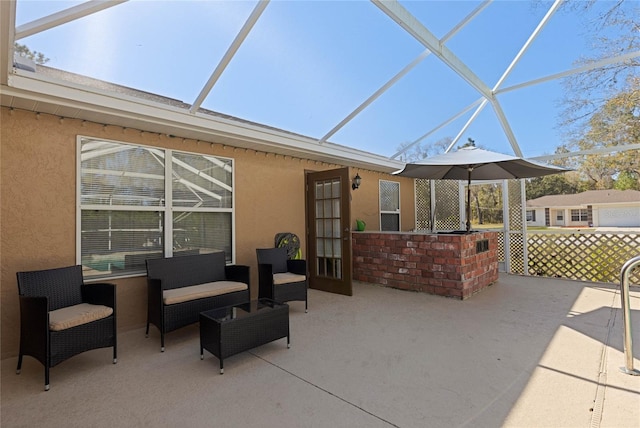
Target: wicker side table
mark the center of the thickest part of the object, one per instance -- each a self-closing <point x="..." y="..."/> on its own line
<point x="233" y="329"/>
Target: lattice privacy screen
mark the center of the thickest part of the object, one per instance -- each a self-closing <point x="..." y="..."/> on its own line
<point x="516" y="232"/>
<point x="501" y="257"/>
<point x="585" y="256"/>
<point x="447" y="209"/>
<point x="423" y="205"/>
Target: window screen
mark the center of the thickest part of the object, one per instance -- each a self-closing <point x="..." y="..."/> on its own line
<point x="389" y="205"/>
<point x="141" y="202"/>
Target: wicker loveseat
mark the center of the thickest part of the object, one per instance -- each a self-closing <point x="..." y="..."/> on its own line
<point x="179" y="288"/>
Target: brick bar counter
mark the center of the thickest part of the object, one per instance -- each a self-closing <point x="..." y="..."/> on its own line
<point x="446" y="264"/>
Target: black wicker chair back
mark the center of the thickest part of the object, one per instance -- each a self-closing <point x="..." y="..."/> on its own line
<point x="275" y="261"/>
<point x="188" y="270"/>
<point x="276" y="257"/>
<point x="43" y="291"/>
<point x="61" y="286"/>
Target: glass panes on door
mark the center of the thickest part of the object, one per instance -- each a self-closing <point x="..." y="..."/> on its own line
<point x="328" y="229"/>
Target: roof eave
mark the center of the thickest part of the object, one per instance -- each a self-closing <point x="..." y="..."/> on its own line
<point x="66" y="99"/>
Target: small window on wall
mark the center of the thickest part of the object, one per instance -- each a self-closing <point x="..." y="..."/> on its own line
<point x="389" y="205"/>
<point x="531" y="215"/>
<point x="139" y="202"/>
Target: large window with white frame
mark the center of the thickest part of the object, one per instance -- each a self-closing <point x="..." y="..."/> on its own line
<point x="138" y="202"/>
<point x="579" y="215"/>
<point x="389" y="205"/>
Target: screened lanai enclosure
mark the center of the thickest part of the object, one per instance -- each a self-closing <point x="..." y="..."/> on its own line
<point x="387" y="77"/>
<point x="139" y="129"/>
<point x="359" y="84"/>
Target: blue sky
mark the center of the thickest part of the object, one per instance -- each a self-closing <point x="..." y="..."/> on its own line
<point x="307" y="64"/>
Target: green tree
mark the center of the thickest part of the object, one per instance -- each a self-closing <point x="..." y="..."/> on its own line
<point x="37" y="57"/>
<point x="627" y="180"/>
<point x="486" y="203"/>
<point x="612" y="31"/>
<point x="615" y="124"/>
<point x="556" y="184"/>
<point x="421" y="151"/>
<point x="601" y="105"/>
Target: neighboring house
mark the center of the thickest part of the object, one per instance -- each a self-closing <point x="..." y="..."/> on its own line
<point x="593" y="208"/>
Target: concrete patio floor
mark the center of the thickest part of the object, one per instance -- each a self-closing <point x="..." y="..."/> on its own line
<point x="527" y="352"/>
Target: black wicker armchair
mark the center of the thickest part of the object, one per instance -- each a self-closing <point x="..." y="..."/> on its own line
<point x="61" y="316"/>
<point x="281" y="279"/>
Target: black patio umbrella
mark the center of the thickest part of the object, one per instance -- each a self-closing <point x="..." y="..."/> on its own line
<point x="471" y="163"/>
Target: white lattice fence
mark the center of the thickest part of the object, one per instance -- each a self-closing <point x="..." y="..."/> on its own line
<point x="447" y="205"/>
<point x="501" y="255"/>
<point x="516" y="234"/>
<point x="447" y="210"/>
<point x="585" y="256"/>
<point x="423" y="205"/>
<point x="595" y="256"/>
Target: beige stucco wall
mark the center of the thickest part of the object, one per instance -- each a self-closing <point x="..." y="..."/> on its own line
<point x="38" y="206"/>
<point x="365" y="201"/>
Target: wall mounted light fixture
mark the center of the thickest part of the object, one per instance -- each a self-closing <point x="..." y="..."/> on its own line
<point x="356" y="182"/>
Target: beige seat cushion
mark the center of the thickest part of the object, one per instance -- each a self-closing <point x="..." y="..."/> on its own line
<point x="287" y="278"/>
<point x="200" y="291"/>
<point x="73" y="316"/>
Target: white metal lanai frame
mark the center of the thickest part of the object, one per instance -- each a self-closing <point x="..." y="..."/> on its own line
<point x="393" y="9"/>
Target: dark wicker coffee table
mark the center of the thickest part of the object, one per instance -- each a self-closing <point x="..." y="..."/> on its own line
<point x="233" y="329"/>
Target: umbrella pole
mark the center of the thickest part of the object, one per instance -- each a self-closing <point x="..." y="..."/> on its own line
<point x="469" y="200"/>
